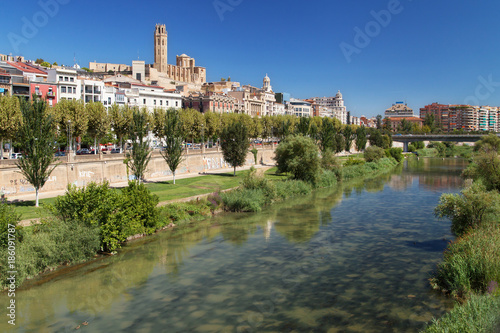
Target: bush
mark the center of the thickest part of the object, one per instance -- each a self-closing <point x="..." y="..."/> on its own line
<point x="478" y="314"/>
<point x="374" y="153"/>
<point x="439" y="146"/>
<point x="472" y="208"/>
<point x="244" y="200"/>
<point x="353" y="161"/>
<point x="396" y="153"/>
<point x="140" y="206"/>
<point x="8" y="217"/>
<point x="49" y="245"/>
<point x="299" y="156"/>
<point x="471" y="263"/>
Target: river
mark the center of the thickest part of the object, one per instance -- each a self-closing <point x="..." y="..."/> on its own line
<point x="354" y="259"/>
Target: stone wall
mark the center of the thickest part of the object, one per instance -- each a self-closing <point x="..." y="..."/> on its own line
<point x="91" y="168"/>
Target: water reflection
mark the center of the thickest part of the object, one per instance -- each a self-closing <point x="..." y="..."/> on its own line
<point x="355" y="258"/>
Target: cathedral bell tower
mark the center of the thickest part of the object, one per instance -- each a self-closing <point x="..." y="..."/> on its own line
<point x="161" y="38"/>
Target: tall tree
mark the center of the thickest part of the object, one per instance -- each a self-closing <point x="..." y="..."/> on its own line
<point x="303" y="126"/>
<point x="121" y="117"/>
<point x="10" y="119"/>
<point x="327" y="136"/>
<point x="72" y="112"/>
<point x="158" y="125"/>
<point x="234" y="144"/>
<point x="376" y="138"/>
<point x="379" y="121"/>
<point x="360" y="138"/>
<point x="140" y="155"/>
<point x="212" y="125"/>
<point x="99" y="122"/>
<point x="173" y="138"/>
<point x="348" y="137"/>
<point x="36" y="135"/>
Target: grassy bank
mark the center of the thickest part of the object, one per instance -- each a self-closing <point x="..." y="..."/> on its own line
<point x="257" y="192"/>
<point x="165" y="191"/>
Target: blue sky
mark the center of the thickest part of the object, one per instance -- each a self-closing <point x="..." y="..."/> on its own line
<point x="423" y="51"/>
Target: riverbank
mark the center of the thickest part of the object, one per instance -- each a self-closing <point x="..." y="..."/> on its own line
<point x="52" y="252"/>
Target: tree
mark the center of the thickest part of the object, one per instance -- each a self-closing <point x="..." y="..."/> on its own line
<point x="376" y="138"/>
<point x="473" y="207"/>
<point x="234" y="144"/>
<point x="379" y="121"/>
<point x="360" y="138"/>
<point x="46" y="64"/>
<point x="36" y="136"/>
<point x="140" y="156"/>
<point x="404" y="126"/>
<point x="303" y="126"/>
<point x="491" y="142"/>
<point x="158" y="125"/>
<point x="39" y="61"/>
<point x="213" y="125"/>
<point x="348" y="137"/>
<point x="55" y="64"/>
<point x="73" y="111"/>
<point x="10" y="119"/>
<point x="327" y="135"/>
<point x="99" y="122"/>
<point x="121" y="117"/>
<point x="299" y="156"/>
<point x="430" y="121"/>
<point x="173" y="139"/>
<point x="374" y="153"/>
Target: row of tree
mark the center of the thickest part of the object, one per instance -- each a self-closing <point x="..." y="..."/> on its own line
<point x="73" y="118"/>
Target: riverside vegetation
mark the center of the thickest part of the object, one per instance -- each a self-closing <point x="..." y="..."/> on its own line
<point x="98" y="219"/>
<point x="471" y="267"/>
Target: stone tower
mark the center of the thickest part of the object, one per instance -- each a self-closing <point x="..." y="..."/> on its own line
<point x="161" y="38"/>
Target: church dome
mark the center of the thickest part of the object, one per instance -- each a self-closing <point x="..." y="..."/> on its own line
<point x="339" y="95"/>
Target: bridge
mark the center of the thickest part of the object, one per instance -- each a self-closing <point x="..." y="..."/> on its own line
<point x="407" y="138"/>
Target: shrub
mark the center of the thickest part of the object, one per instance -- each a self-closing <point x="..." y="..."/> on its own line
<point x="140" y="206"/>
<point x="353" y="161"/>
<point x="8" y="217"/>
<point x="478" y="314"/>
<point x="299" y="156"/>
<point x="470" y="263"/>
<point x="396" y="153"/>
<point x="439" y="146"/>
<point x="244" y="200"/>
<point x="472" y="208"/>
<point x="49" y="245"/>
<point x="374" y="153"/>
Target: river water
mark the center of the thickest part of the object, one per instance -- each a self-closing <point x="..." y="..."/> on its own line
<point x="354" y="259"/>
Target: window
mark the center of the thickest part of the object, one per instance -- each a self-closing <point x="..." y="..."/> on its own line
<point x="166" y="103"/>
<point x="50" y="102"/>
<point x="161" y="102"/>
<point x="60" y="78"/>
<point x="71" y="79"/>
<point x="109" y="100"/>
<point x="144" y="101"/>
<point x="176" y="103"/>
<point x="154" y="101"/>
<point x="63" y="89"/>
<point x="66" y="78"/>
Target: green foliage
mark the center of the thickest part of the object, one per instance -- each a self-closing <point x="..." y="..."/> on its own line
<point x="117" y="215"/>
<point x="37" y="137"/>
<point x="49" y="245"/>
<point x="439" y="146"/>
<point x="361" y="138"/>
<point x="353" y="161"/>
<point x="416" y="146"/>
<point x="99" y="123"/>
<point x="396" y="153"/>
<point x="173" y="138"/>
<point x="367" y="169"/>
<point x="254" y="151"/>
<point x="72" y="111"/>
<point x="121" y="117"/>
<point x="140" y="155"/>
<point x="374" y="153"/>
<point x="327" y="135"/>
<point x="376" y="138"/>
<point x="244" y="200"/>
<point x="485" y="167"/>
<point x="303" y="126"/>
<point x="234" y="144"/>
<point x="478" y="314"/>
<point x="348" y="137"/>
<point x="472" y="208"/>
<point x="299" y="156"/>
<point x="491" y="142"/>
<point x="8" y="223"/>
<point x="470" y="263"/>
<point x="11" y="119"/>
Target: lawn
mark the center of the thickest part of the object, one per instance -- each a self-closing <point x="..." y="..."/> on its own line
<point x="183" y="188"/>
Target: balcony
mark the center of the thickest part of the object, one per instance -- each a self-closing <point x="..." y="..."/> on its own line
<point x="50" y="94"/>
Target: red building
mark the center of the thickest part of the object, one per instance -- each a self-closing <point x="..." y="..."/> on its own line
<point x="44" y="90"/>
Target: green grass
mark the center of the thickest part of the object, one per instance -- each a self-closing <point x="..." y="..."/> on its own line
<point x="183" y="188"/>
<point x="478" y="314"/>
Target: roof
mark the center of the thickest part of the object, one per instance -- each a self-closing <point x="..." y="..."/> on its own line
<point x="26" y="68"/>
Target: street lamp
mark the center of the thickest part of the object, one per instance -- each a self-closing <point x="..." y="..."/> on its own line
<point x="69" y="136"/>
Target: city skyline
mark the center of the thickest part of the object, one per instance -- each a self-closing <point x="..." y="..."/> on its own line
<point x="375" y="52"/>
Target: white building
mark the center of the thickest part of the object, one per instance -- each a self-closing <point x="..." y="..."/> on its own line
<point x="68" y="85"/>
<point x="92" y="91"/>
<point x="488" y="118"/>
<point x="332" y="107"/>
<point x="151" y="97"/>
<point x="301" y="108"/>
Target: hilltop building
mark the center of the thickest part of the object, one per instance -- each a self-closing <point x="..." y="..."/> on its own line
<point x="399" y="109"/>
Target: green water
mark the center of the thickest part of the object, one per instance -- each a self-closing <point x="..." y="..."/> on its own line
<point x="355" y="259"/>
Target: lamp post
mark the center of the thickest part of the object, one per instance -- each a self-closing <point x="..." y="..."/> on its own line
<point x="69" y="137"/>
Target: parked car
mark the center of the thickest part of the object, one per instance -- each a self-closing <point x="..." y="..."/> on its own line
<point x="83" y="151"/>
<point x="15" y="156"/>
<point x="60" y="153"/>
<point x="115" y="151"/>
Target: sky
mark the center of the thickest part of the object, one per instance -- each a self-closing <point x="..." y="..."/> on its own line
<point x="376" y="52"/>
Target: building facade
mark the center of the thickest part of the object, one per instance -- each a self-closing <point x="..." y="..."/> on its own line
<point x="399" y="109"/>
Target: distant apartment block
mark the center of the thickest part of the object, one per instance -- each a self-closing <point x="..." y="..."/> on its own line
<point x="399" y="109"/>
